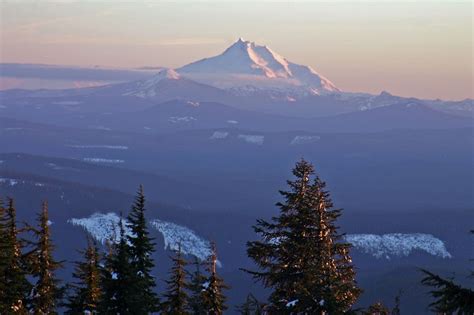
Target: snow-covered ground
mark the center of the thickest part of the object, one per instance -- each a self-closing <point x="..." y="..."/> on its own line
<point x="105" y="226"/>
<point x="98" y="146"/>
<point x="219" y="135"/>
<point x="175" y="235"/>
<point x="102" y="226"/>
<point x="14" y="182"/>
<point x="184" y="119"/>
<point x="304" y="139"/>
<point x="253" y="139"/>
<point x="67" y="103"/>
<point x="398" y="244"/>
<point x="102" y="160"/>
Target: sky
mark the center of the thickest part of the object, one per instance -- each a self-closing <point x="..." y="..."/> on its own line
<point x="409" y="48"/>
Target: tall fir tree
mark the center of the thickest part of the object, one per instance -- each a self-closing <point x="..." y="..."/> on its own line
<point x="141" y="247"/>
<point x="117" y="278"/>
<point x="14" y="286"/>
<point x="301" y="256"/>
<point x="176" y="298"/>
<point x="195" y="300"/>
<point x="46" y="291"/>
<point x="450" y="297"/>
<point x="377" y="308"/>
<point x="251" y="306"/>
<point x="86" y="291"/>
<point x="213" y="297"/>
<point x="4" y="255"/>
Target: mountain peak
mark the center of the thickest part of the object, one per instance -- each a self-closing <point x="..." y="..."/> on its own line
<point x="169" y="74"/>
<point x="246" y="64"/>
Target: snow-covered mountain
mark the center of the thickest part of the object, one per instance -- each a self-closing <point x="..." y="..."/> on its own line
<point x="246" y="67"/>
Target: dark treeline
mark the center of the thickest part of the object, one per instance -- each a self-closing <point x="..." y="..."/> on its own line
<point x="300" y="257"/>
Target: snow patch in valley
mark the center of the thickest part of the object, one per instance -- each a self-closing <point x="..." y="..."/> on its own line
<point x="60" y="168"/>
<point x="102" y="160"/>
<point x="98" y="146"/>
<point x="253" y="139"/>
<point x="398" y="244"/>
<point x="233" y="122"/>
<point x="13" y="182"/>
<point x="100" y="128"/>
<point x="175" y="235"/>
<point x="184" y="119"/>
<point x="8" y="181"/>
<point x="67" y="103"/>
<point x="102" y="226"/>
<point x="304" y="139"/>
<point x="105" y="226"/>
<point x="219" y="135"/>
<point x="3" y="107"/>
<point x="194" y="104"/>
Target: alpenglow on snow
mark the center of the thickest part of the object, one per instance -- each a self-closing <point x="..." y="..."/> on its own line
<point x="243" y="68"/>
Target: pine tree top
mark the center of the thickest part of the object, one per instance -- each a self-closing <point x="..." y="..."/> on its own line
<point x="301" y="254"/>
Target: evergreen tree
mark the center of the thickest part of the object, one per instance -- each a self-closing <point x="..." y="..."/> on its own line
<point x="377" y="309"/>
<point x="14" y="287"/>
<point x="86" y="291"/>
<point x="46" y="292"/>
<point x="4" y="256"/>
<point x="251" y="306"/>
<point x="195" y="302"/>
<point x="450" y="297"/>
<point x="213" y="297"/>
<point x="396" y="308"/>
<point x="176" y="297"/>
<point x="117" y="278"/>
<point x="301" y="255"/>
<point x="141" y="248"/>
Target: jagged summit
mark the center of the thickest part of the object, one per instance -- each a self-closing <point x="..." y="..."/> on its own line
<point x="248" y="65"/>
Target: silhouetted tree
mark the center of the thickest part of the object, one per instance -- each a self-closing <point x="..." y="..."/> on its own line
<point x="301" y="255"/>
<point x="141" y="248"/>
<point x="396" y="308"/>
<point x="377" y="309"/>
<point x="46" y="291"/>
<point x="176" y="297"/>
<point x="196" y="299"/>
<point x="14" y="286"/>
<point x="117" y="278"/>
<point x="86" y="293"/>
<point x="450" y="297"/>
<point x="213" y="297"/>
<point x="251" y="306"/>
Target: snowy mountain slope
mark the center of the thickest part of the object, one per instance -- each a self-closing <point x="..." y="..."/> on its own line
<point x="105" y="226"/>
<point x="398" y="244"/>
<point x="246" y="67"/>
